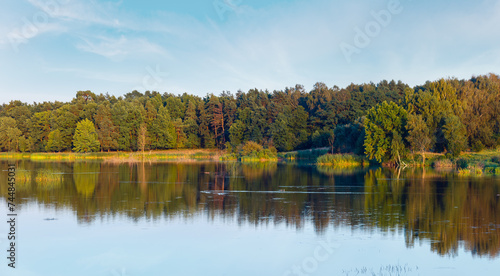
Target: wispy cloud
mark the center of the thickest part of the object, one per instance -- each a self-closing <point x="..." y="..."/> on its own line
<point x="91" y="11"/>
<point x="95" y="74"/>
<point x="23" y="34"/>
<point x="271" y="46"/>
<point x="121" y="48"/>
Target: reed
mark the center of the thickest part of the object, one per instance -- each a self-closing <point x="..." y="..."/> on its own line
<point x="23" y="176"/>
<point x="443" y="163"/>
<point x="47" y="176"/>
<point x="168" y="155"/>
<point x="342" y="160"/>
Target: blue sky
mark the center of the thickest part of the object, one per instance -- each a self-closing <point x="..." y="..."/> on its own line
<point x="50" y="49"/>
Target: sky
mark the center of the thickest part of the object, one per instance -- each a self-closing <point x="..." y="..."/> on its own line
<point x="50" y="49"/>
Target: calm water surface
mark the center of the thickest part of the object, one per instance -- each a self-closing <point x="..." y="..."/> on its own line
<point x="234" y="219"/>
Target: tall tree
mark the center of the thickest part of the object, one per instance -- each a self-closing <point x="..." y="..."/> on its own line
<point x="143" y="139"/>
<point x="9" y="134"/>
<point x="106" y="129"/>
<point x="385" y="131"/>
<point x="418" y="135"/>
<point x="55" y="142"/>
<point x="85" y="139"/>
<point x="455" y="135"/>
<point x="162" y="131"/>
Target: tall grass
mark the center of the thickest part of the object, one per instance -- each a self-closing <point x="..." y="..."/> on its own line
<point x="169" y="155"/>
<point x="471" y="163"/>
<point x="342" y="160"/>
<point x="23" y="176"/>
<point x="48" y="179"/>
<point x="443" y="163"/>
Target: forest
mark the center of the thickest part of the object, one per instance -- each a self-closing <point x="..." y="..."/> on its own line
<point x="383" y="121"/>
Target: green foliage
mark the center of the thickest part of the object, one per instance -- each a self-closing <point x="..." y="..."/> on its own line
<point x="236" y="132"/>
<point x="309" y="154"/>
<point x="55" y="142"/>
<point x="250" y="148"/>
<point x="65" y="121"/>
<point x="39" y="129"/>
<point x="251" y="151"/>
<point x="385" y="129"/>
<point x="418" y="134"/>
<point x="106" y="129"/>
<point x="289" y="130"/>
<point x="455" y="136"/>
<point x="290" y="119"/>
<point x="162" y="130"/>
<point x="9" y="134"/>
<point x="496" y="159"/>
<point x="85" y="139"/>
<point x="322" y="138"/>
<point x="349" y="139"/>
<point x="443" y="163"/>
<point x="462" y="163"/>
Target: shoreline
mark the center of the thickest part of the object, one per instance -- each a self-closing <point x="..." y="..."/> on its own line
<point x="163" y="155"/>
<point x="468" y="163"/>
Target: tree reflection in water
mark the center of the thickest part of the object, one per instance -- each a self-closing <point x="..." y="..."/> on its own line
<point x="446" y="210"/>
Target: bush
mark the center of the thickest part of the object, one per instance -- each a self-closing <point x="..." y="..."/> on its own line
<point x="443" y="163"/>
<point x="251" y="151"/>
<point x="496" y="159"/>
<point x="462" y="163"/>
<point x="250" y="148"/>
<point x="477" y="146"/>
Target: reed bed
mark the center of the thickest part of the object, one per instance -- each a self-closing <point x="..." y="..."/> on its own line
<point x="342" y="160"/>
<point x="167" y="155"/>
<point x="48" y="179"/>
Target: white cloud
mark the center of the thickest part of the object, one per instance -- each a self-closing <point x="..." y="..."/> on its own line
<point x="91" y="11"/>
<point x="28" y="31"/>
<point x="121" y="48"/>
<point x="125" y="78"/>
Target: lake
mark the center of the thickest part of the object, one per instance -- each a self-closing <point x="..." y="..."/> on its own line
<point x="98" y="218"/>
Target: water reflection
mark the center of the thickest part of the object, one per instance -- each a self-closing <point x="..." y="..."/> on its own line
<point x="445" y="210"/>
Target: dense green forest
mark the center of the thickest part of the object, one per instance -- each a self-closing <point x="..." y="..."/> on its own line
<point x="385" y="121"/>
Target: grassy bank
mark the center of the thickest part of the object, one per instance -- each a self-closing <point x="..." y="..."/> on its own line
<point x="165" y="155"/>
<point x="468" y="163"/>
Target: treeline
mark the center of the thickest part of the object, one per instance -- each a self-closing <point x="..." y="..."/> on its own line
<point x="288" y="119"/>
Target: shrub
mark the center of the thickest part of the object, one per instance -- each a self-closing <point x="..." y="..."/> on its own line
<point x="462" y="163"/>
<point x="251" y="151"/>
<point x="250" y="148"/>
<point x="496" y="159"/>
<point x="443" y="163"/>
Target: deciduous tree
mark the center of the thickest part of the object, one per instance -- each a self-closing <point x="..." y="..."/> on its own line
<point x="86" y="138"/>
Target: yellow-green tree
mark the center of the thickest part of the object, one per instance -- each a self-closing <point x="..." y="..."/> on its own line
<point x="85" y="139"/>
<point x="55" y="142"/>
<point x="9" y="134"/>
